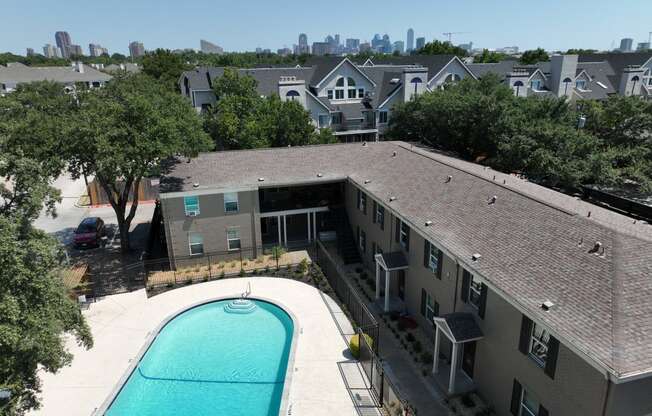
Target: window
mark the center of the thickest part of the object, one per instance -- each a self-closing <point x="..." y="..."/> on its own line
<point x="475" y="291"/>
<point x="352" y="93"/>
<point x="347" y="85"/>
<point x="191" y="205"/>
<point x="340" y="82"/>
<point x="539" y="340"/>
<point x="380" y="216"/>
<point x="529" y="405"/>
<point x="416" y="81"/>
<point x="339" y="94"/>
<point x="350" y="82"/>
<point x="233" y="239"/>
<point x="433" y="261"/>
<point x="205" y="108"/>
<point x="580" y="84"/>
<point x="336" y="118"/>
<point x="429" y="307"/>
<point x="452" y="78"/>
<point x="362" y="241"/>
<point x="330" y="94"/>
<point x="362" y="201"/>
<point x="382" y="117"/>
<point x="292" y="95"/>
<point x="323" y="120"/>
<point x="231" y="202"/>
<point x="404" y="238"/>
<point x="535" y="84"/>
<point x="360" y="92"/>
<point x="196" y="243"/>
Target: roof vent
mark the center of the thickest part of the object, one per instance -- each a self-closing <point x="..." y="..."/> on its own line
<point x="588" y="215"/>
<point x="261" y="179"/>
<point x="319" y="175"/>
<point x="448" y="179"/>
<point x="195" y="185"/>
<point x="492" y="200"/>
<point x="547" y="305"/>
<point x="476" y="257"/>
<point x="366" y="181"/>
<point x="428" y="223"/>
<point x="394" y="81"/>
<point x="364" y="143"/>
<point x="581" y="242"/>
<point x="596" y="247"/>
<point x="392" y="198"/>
<point x="394" y="154"/>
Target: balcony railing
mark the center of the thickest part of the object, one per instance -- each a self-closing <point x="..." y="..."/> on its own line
<point x="350" y="125"/>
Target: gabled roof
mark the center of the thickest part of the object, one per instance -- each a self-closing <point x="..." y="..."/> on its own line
<point x="535" y="243"/>
<point x="326" y="68"/>
<point x="434" y="63"/>
<point x="20" y="73"/>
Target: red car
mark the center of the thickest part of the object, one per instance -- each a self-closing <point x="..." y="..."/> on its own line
<point x="89" y="233"/>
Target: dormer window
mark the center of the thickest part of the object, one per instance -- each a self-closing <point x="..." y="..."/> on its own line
<point x="580" y="84"/>
<point x="345" y="87"/>
<point x="292" y="95"/>
<point x="535" y="84"/>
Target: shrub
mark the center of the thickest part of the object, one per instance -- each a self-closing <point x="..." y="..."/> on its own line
<point x="354" y="344"/>
<point x="266" y="269"/>
<point x="242" y="273"/>
<point x="303" y="266"/>
<point x="222" y="275"/>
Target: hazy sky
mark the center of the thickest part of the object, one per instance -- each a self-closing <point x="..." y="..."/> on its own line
<point x="247" y="24"/>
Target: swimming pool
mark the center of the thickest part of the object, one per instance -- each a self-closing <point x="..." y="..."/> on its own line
<point x="213" y="359"/>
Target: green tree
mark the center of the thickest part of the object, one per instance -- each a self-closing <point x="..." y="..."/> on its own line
<point x="581" y="51"/>
<point x="533" y="56"/>
<point x="35" y="311"/>
<point x="488" y="56"/>
<point x="165" y="66"/>
<point x="442" y="48"/>
<point x="123" y="131"/>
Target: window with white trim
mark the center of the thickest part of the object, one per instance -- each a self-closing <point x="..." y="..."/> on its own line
<point x="330" y="94"/>
<point x="433" y="261"/>
<point x="404" y="237"/>
<point x="539" y="339"/>
<point x="535" y="84"/>
<point x="231" y="202"/>
<point x="380" y="215"/>
<point x="430" y="308"/>
<point x="362" y="203"/>
<point x="323" y="120"/>
<point x="475" y="290"/>
<point x="196" y="244"/>
<point x="336" y="118"/>
<point x="382" y="116"/>
<point x="233" y="239"/>
<point x="529" y="406"/>
<point x="580" y="84"/>
<point x="191" y="205"/>
<point x="346" y="87"/>
<point x="362" y="241"/>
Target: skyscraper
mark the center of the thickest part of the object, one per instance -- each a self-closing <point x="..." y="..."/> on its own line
<point x="49" y="51"/>
<point x="626" y="44"/>
<point x="136" y="49"/>
<point x="74" y="50"/>
<point x="410" y="40"/>
<point x="97" y="50"/>
<point x="303" y="44"/>
<point x="63" y="42"/>
<point x="399" y="46"/>
<point x="421" y="42"/>
<point x="208" y="47"/>
<point x="30" y="52"/>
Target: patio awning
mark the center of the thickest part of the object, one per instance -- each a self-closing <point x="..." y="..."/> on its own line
<point x="392" y="261"/>
<point x="459" y="327"/>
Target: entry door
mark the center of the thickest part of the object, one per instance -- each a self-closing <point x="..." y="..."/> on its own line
<point x="468" y="358"/>
<point x="401" y="284"/>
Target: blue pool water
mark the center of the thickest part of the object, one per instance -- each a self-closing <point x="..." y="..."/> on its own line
<point x="212" y="361"/>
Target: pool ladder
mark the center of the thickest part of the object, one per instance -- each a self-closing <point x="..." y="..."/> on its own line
<point x="247" y="291"/>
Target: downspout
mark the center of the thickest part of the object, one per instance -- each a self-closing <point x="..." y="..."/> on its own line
<point x="607" y="393"/>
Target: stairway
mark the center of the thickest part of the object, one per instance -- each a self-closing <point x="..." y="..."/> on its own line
<point x="346" y="243"/>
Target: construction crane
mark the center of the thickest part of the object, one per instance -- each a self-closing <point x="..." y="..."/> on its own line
<point x="450" y="35"/>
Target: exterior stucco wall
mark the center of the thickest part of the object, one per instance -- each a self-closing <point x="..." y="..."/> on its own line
<point x="316" y="108"/>
<point x="212" y="223"/>
<point x="344" y="70"/>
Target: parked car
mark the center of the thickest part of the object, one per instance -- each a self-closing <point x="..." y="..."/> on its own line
<point x="89" y="233"/>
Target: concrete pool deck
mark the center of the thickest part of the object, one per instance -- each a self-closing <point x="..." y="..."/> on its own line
<point x="121" y="325"/>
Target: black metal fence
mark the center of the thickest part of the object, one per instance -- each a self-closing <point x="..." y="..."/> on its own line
<point x="216" y="265"/>
<point x="358" y="310"/>
<point x="382" y="387"/>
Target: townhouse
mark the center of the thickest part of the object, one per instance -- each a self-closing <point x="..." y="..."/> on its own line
<point x="16" y="73"/>
<point x="536" y="299"/>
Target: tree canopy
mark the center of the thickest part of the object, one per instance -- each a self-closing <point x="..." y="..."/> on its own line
<point x="531" y="57"/>
<point x="164" y="66"/>
<point x="437" y="47"/>
<point x="242" y="119"/>
<point x="483" y="121"/>
<point x="487" y="57"/>
<point x="121" y="133"/>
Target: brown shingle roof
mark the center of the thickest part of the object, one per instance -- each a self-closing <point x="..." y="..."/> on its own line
<point x="529" y="239"/>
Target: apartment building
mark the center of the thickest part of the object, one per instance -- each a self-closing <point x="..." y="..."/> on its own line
<point x="537" y="300"/>
<point x="354" y="99"/>
<point x="590" y="76"/>
<point x="16" y="73"/>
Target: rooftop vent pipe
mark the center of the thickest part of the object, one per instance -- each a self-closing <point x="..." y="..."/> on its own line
<point x="261" y="179"/>
<point x="428" y="223"/>
<point x="366" y="181"/>
<point x="476" y="257"/>
<point x="448" y="179"/>
<point x="392" y="198"/>
<point x="195" y="185"/>
<point x="394" y="154"/>
<point x="596" y="247"/>
<point x="547" y="305"/>
<point x="319" y="175"/>
<point x="492" y="200"/>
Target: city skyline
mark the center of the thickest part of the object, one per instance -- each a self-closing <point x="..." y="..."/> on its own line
<point x="237" y="29"/>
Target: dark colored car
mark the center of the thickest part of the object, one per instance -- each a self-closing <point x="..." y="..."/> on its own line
<point x="89" y="233"/>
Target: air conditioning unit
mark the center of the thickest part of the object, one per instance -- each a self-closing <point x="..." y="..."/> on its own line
<point x="192" y="213"/>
